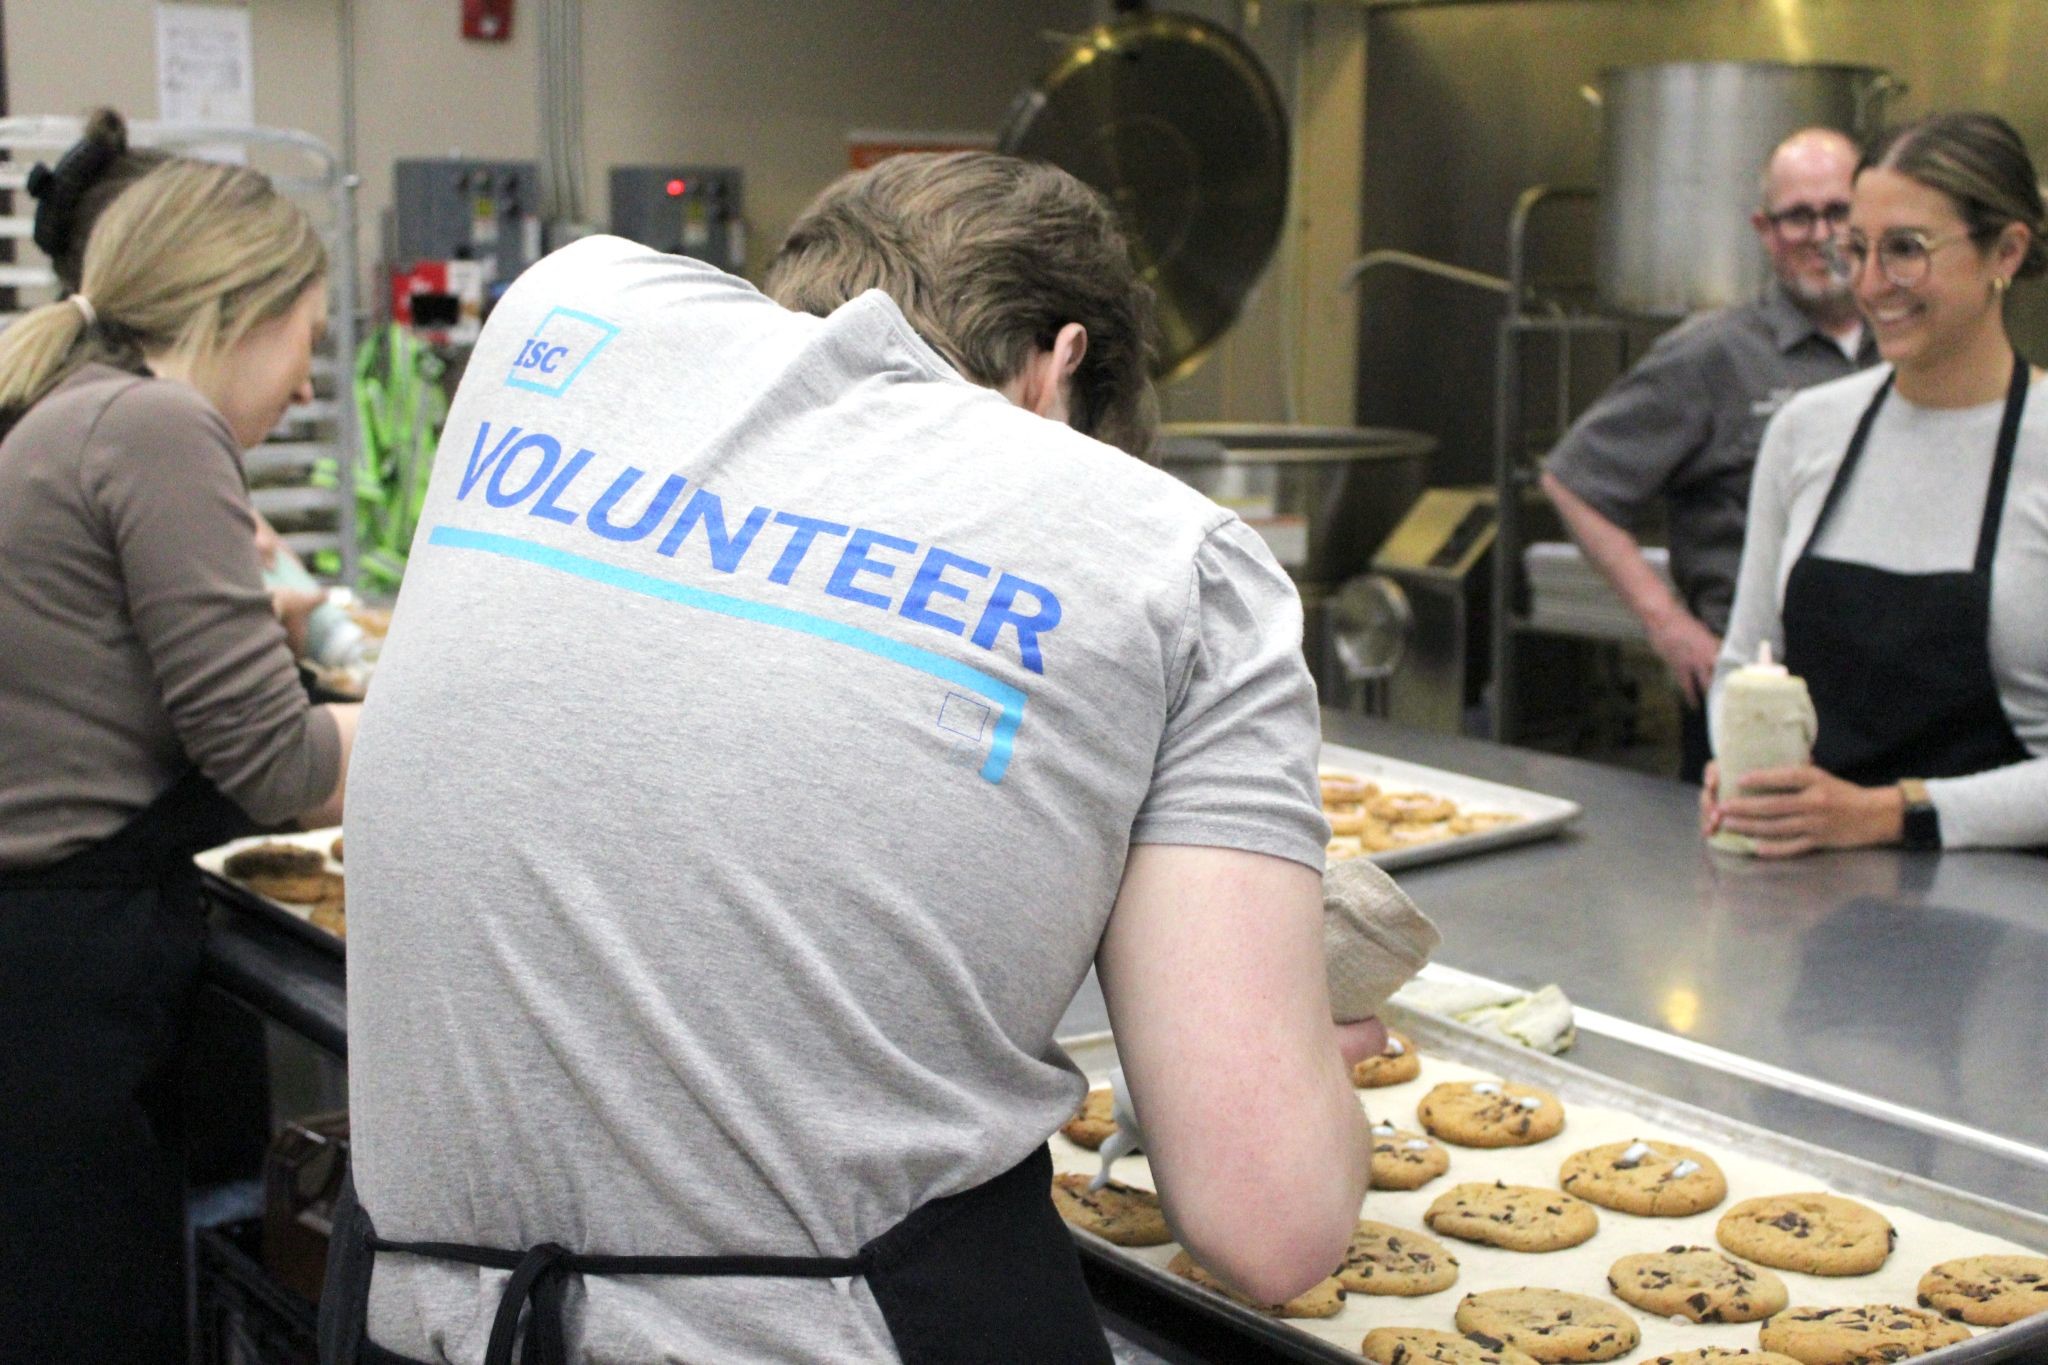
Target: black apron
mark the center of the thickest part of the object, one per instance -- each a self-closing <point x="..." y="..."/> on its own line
<point x="99" y="960"/>
<point x="1899" y="664"/>
<point x="987" y="1275"/>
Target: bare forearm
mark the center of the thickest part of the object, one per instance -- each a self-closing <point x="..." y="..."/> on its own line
<point x="1616" y="553"/>
<point x="1213" y="971"/>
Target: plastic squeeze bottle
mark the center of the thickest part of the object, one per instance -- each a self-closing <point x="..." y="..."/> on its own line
<point x="1766" y="721"/>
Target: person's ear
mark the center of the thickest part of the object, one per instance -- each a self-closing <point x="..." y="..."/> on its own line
<point x="2010" y="251"/>
<point x="1069" y="348"/>
<point x="1046" y="383"/>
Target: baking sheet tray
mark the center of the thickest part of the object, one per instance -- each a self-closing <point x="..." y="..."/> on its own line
<point x="1541" y="816"/>
<point x="293" y="919"/>
<point x="1756" y="1161"/>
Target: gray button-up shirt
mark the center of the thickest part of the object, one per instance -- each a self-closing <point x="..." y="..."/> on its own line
<point x="1685" y="424"/>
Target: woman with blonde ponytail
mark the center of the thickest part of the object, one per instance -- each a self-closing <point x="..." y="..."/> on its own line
<point x="149" y="707"/>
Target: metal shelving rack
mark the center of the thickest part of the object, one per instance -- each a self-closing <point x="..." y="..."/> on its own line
<point x="311" y="434"/>
<point x="1514" y="471"/>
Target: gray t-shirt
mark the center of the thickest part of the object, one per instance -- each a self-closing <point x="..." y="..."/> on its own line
<point x="748" y="778"/>
<point x="1684" y="425"/>
<point x="1915" y="505"/>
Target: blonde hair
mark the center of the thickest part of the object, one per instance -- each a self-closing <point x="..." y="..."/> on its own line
<point x="184" y="264"/>
<point x="987" y="256"/>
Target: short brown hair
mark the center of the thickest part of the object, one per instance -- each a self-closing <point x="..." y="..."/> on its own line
<point x="988" y="257"/>
<point x="1980" y="163"/>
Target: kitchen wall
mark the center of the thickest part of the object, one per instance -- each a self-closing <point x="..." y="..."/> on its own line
<point x="771" y="87"/>
<point x="1469" y="103"/>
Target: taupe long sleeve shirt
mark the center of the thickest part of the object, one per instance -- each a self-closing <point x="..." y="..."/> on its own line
<point x="135" y="634"/>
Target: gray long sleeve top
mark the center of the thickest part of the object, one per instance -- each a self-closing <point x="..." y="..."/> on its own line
<point x="138" y="636"/>
<point x="1914" y="506"/>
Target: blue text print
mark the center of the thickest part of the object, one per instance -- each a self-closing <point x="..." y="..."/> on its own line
<point x="958" y="715"/>
<point x="566" y="341"/>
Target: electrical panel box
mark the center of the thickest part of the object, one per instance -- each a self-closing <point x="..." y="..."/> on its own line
<point x="689" y="211"/>
<point x="456" y="209"/>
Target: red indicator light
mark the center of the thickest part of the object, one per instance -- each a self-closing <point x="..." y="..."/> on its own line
<point x="677" y="188"/>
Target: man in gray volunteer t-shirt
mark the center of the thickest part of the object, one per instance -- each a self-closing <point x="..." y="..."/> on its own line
<point x="1683" y="426"/>
<point x="779" y="717"/>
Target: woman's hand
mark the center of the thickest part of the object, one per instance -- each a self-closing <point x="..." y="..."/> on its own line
<point x="1790" y="811"/>
<point x="293" y="606"/>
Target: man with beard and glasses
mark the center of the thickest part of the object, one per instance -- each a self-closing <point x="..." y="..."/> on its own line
<point x="1685" y="423"/>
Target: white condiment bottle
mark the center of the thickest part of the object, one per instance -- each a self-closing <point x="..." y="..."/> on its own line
<point x="1766" y="721"/>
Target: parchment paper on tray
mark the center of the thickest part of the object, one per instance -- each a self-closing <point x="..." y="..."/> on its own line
<point x="1923" y="1241"/>
<point x="1419" y="814"/>
<point x="304" y="880"/>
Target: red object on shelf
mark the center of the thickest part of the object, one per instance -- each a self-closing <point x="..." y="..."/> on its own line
<point x="488" y="21"/>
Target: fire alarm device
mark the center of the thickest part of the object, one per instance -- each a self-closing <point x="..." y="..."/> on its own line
<point x="488" y="21"/>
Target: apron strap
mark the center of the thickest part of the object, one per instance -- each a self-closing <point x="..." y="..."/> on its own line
<point x="540" y="1275"/>
<point x="1848" y="466"/>
<point x="2001" y="463"/>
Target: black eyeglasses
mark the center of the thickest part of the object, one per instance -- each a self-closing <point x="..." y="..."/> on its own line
<point x="1904" y="255"/>
<point x="1797" y="223"/>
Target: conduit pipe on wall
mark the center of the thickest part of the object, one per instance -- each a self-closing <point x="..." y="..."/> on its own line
<point x="561" y="112"/>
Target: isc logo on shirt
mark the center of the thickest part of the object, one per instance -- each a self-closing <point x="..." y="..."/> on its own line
<point x="566" y="341"/>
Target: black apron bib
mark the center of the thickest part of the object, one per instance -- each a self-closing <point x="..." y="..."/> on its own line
<point x="987" y="1275"/>
<point x="1899" y="664"/>
<point x="99" y="959"/>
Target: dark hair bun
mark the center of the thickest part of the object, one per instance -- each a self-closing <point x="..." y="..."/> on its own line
<point x="57" y="192"/>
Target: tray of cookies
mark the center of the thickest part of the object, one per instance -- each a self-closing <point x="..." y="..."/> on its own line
<point x="1526" y="1209"/>
<point x="1399" y="813"/>
<point x="293" y="880"/>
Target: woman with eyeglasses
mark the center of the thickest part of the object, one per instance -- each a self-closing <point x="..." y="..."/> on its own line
<point x="1897" y="553"/>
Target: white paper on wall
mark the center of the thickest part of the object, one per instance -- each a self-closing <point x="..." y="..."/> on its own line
<point x="204" y="72"/>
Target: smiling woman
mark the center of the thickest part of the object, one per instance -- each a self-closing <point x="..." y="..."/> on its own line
<point x="1898" y="543"/>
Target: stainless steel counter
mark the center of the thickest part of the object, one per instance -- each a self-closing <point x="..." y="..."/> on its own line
<point x="1918" y="980"/>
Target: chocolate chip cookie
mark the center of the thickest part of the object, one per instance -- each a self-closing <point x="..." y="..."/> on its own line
<point x="1654" y="1179"/>
<point x="1696" y="1283"/>
<point x="1322" y="1300"/>
<point x="1397" y="1062"/>
<point x="1490" y="1114"/>
<point x="274" y="860"/>
<point x="283" y="872"/>
<point x="1119" y="1213"/>
<point x="1550" y="1324"/>
<point x="1987" y="1291"/>
<point x="1093" y="1122"/>
<point x="1868" y="1335"/>
<point x="1383" y="1259"/>
<point x="1420" y="1346"/>
<point x="1820" y="1234"/>
<point x="1402" y="1160"/>
<point x="1513" y="1217"/>
<point x="1722" y="1355"/>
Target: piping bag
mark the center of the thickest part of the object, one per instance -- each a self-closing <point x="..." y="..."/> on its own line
<point x="1374" y="939"/>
